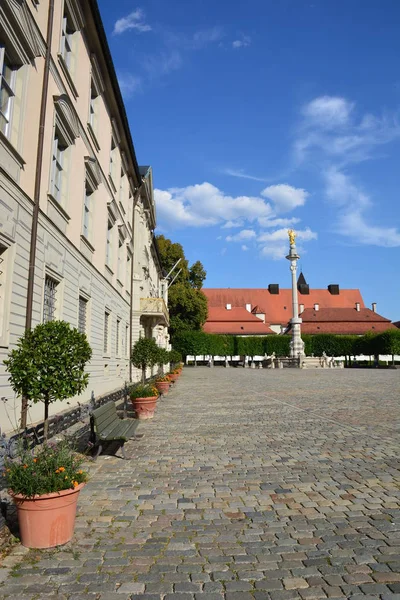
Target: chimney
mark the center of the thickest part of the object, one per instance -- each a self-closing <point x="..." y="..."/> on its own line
<point x="316" y="307"/>
<point x="357" y="306"/>
<point x="273" y="288"/>
<point x="228" y="306"/>
<point x="333" y="289"/>
<point x="374" y="307"/>
<point x="248" y="307"/>
<point x="301" y="308"/>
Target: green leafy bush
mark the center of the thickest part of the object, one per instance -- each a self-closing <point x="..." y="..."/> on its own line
<point x="143" y="391"/>
<point x="145" y="353"/>
<point x="52" y="468"/>
<point x="49" y="364"/>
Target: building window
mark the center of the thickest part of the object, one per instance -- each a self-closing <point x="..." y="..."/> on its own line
<point x="82" y="314"/>
<point x="58" y="182"/>
<point x="50" y="298"/>
<point x="67" y="44"/>
<point x="87" y="212"/>
<point x="128" y="272"/>
<point x="109" y="244"/>
<point x="120" y="270"/>
<point x="93" y="108"/>
<point x="106" y="345"/>
<point x="117" y="337"/>
<point x="113" y="161"/>
<point x="7" y="92"/>
<point x="3" y="251"/>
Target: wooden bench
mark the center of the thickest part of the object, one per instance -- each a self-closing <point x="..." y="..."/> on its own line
<point x="106" y="426"/>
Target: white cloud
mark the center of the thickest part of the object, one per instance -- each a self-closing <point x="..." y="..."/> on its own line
<point x="242" y="43"/>
<point x="285" y="197"/>
<point x="330" y="125"/>
<point x="204" y="37"/>
<point x="135" y="20"/>
<point x="240" y="173"/>
<point x="353" y="203"/>
<point x="266" y="222"/>
<point x="162" y="64"/>
<point x="205" y="204"/>
<point x="275" y="244"/>
<point x="232" y="224"/>
<point x="129" y="84"/>
<point x="244" y="248"/>
<point x="328" y="111"/>
<point x="245" y="234"/>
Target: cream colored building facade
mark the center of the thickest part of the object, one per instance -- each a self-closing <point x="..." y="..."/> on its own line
<point x="96" y="263"/>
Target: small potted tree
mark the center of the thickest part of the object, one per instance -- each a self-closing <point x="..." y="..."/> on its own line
<point x="144" y="400"/>
<point x="145" y="353"/>
<point x="47" y="365"/>
<point x="162" y="382"/>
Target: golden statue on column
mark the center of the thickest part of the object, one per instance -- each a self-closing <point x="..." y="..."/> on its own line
<point x="292" y="237"/>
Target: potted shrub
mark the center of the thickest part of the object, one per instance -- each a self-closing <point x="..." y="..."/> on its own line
<point x="162" y="383"/>
<point x="145" y="353"/>
<point x="175" y="358"/>
<point x="45" y="486"/>
<point x="49" y="364"/>
<point x="174" y="375"/>
<point x="144" y="399"/>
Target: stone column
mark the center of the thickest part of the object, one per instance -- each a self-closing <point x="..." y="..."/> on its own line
<point x="296" y="344"/>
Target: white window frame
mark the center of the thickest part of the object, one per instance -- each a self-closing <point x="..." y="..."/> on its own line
<point x="83" y="298"/>
<point x="107" y="333"/>
<point x="57" y="167"/>
<point x="87" y="212"/>
<point x="109" y="243"/>
<point x="118" y="337"/>
<point x="9" y="87"/>
<point x="7" y="253"/>
<point x="67" y="31"/>
<point x="56" y="297"/>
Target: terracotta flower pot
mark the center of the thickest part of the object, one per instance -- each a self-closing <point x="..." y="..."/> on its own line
<point x="47" y="520"/>
<point x="173" y="377"/>
<point x="144" y="407"/>
<point x="163" y="387"/>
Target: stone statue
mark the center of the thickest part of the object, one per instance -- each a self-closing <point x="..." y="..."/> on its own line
<point x="292" y="237"/>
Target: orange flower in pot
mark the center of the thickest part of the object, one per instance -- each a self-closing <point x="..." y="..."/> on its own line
<point x="163" y="383"/>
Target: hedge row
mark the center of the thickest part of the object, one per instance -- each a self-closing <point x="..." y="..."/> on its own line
<point x="197" y="343"/>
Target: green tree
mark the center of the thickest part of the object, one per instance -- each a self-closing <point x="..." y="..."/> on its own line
<point x="197" y="275"/>
<point x="187" y="304"/>
<point x="187" y="308"/>
<point x="146" y="353"/>
<point x="49" y="364"/>
<point x="170" y="252"/>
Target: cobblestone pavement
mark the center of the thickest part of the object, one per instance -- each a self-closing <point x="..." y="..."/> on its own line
<point x="248" y="484"/>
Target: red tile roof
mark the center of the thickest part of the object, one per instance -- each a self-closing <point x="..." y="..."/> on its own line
<point x="237" y="314"/>
<point x="235" y="321"/>
<point x="343" y="327"/>
<point x="342" y="314"/>
<point x="278" y="307"/>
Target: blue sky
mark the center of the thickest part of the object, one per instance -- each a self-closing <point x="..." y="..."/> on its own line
<point x="262" y="115"/>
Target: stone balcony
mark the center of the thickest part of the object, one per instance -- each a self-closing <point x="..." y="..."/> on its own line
<point x="154" y="309"/>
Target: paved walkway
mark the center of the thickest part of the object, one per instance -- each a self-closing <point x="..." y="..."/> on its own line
<point x="248" y="484"/>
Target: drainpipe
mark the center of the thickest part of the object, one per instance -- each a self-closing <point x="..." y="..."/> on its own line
<point x="135" y="201"/>
<point x="36" y="194"/>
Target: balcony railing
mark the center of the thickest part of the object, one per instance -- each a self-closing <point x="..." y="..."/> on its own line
<point x="155" y="307"/>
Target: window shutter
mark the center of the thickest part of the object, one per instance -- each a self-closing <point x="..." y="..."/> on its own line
<point x="17" y="108"/>
<point x="66" y="158"/>
<point x="73" y="59"/>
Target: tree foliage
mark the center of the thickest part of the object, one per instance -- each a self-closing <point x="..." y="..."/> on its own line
<point x="145" y="353"/>
<point x="199" y="343"/>
<point x="49" y="364"/>
<point x="187" y="304"/>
